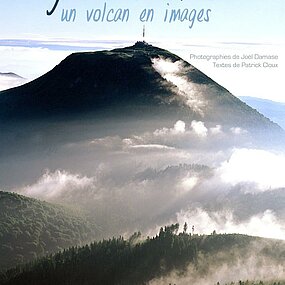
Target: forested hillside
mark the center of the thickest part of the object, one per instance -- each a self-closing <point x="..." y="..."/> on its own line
<point x="139" y="261"/>
<point x="30" y="228"/>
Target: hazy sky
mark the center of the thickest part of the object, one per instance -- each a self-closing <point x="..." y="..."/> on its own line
<point x="237" y="19"/>
<point x="230" y="27"/>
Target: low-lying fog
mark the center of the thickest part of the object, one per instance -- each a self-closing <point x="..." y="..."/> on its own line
<point x="129" y="178"/>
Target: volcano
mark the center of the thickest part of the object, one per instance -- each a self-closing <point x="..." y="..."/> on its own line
<point x="136" y="80"/>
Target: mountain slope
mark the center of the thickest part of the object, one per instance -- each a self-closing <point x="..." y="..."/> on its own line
<point x="137" y="261"/>
<point x="30" y="228"/>
<point x="271" y="109"/>
<point x="137" y="79"/>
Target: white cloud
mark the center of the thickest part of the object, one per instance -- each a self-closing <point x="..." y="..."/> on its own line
<point x="166" y="67"/>
<point x="164" y="191"/>
<point x="189" y="92"/>
<point x="53" y="185"/>
<point x="108" y="143"/>
<point x="152" y="147"/>
<point x="216" y="130"/>
<point x="179" y="136"/>
<point x="263" y="168"/>
<point x="188" y="183"/>
<point x="179" y="127"/>
<point x="238" y="131"/>
<point x="264" y="225"/>
<point x="199" y="128"/>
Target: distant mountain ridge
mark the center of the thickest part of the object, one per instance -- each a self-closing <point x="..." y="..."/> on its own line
<point x="126" y="80"/>
<point x="271" y="109"/>
<point x="11" y="74"/>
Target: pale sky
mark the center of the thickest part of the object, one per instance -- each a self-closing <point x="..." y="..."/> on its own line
<point x="31" y="43"/>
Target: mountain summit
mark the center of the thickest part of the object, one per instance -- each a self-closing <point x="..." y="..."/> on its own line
<point x="137" y="79"/>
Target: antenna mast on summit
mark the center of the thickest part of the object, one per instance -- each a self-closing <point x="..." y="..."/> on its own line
<point x="143" y="32"/>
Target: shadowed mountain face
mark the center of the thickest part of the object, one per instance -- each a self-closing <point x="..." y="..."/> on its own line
<point x="141" y="79"/>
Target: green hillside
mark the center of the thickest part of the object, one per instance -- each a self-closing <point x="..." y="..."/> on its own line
<point x="138" y="261"/>
<point x="30" y="228"/>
